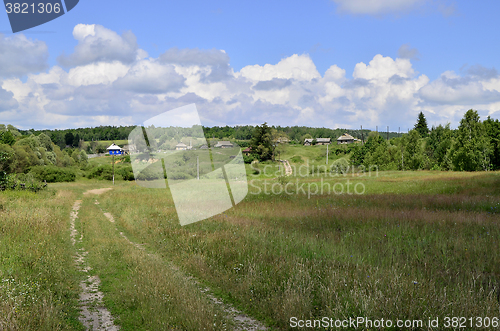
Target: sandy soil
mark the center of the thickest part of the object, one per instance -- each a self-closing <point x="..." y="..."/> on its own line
<point x="98" y="191"/>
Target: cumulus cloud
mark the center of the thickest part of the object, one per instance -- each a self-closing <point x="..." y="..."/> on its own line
<point x="299" y="67"/>
<point x="99" y="44"/>
<point x="7" y="101"/>
<point x="151" y="77"/>
<point x="472" y="89"/>
<point x="107" y="90"/>
<point x="20" y="56"/>
<point x="274" y="84"/>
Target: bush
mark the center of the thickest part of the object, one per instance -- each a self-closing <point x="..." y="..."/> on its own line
<point x="340" y="166"/>
<point x="150" y="174"/>
<point x="248" y="158"/>
<point x="127" y="173"/>
<point x="297" y="159"/>
<point x="21" y="182"/>
<point x="53" y="174"/>
<point x="104" y="171"/>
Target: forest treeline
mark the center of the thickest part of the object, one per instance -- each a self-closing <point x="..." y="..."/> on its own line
<point x="73" y="137"/>
<point x="473" y="146"/>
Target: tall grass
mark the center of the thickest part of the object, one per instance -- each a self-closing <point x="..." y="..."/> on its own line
<point x="408" y="255"/>
<point x="142" y="291"/>
<point x="38" y="282"/>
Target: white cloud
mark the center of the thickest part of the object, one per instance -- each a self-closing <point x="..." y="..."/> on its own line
<point x="385" y="91"/>
<point x="20" y="56"/>
<point x="382" y="68"/>
<point x="452" y="89"/>
<point x="151" y="77"/>
<point x="299" y="67"/>
<point x="97" y="73"/>
<point x="98" y="44"/>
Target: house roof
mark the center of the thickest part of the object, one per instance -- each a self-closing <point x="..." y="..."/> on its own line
<point x="181" y="145"/>
<point x="248" y="149"/>
<point x="319" y="140"/>
<point x="345" y="136"/>
<point x="114" y="147"/>
<point x="128" y="146"/>
<point x="224" y="143"/>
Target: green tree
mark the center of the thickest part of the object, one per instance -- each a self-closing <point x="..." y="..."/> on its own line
<point x="471" y="150"/>
<point x="413" y="156"/>
<point x="492" y="130"/>
<point x="69" y="138"/>
<point x="45" y="142"/>
<point x="421" y="125"/>
<point x="6" y="137"/>
<point x="438" y="144"/>
<point x="262" y="142"/>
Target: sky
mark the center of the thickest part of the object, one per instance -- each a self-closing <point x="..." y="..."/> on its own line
<point x="322" y="63"/>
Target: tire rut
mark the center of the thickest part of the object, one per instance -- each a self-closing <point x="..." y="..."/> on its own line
<point x="94" y="315"/>
<point x="242" y="321"/>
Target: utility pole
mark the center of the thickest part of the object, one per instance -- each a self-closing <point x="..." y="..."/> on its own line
<point x="362" y="137"/>
<point x="388" y="133"/>
<point x="326" y="153"/>
<point x="113" y="168"/>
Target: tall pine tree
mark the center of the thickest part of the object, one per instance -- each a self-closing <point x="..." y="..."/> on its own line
<point x="421" y="125"/>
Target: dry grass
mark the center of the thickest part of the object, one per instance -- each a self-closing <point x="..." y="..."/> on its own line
<point x="411" y="255"/>
<point x="38" y="283"/>
<point x="142" y="291"/>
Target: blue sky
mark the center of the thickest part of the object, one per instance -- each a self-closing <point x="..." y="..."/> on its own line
<point x="332" y="63"/>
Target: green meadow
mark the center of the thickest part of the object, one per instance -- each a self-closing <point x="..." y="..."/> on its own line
<point x="413" y="245"/>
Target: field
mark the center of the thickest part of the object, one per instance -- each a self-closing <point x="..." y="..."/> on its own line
<point x="411" y="246"/>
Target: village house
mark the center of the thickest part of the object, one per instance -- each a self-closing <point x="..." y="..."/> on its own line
<point x="345" y="139"/>
<point x="319" y="141"/>
<point x="181" y="147"/>
<point x="247" y="151"/>
<point x="223" y="144"/>
<point x="114" y="149"/>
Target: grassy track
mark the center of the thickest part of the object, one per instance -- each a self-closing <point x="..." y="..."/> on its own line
<point x="142" y="290"/>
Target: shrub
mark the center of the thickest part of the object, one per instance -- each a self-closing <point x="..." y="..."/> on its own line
<point x="297" y="159"/>
<point x="340" y="166"/>
<point x="53" y="174"/>
<point x="126" y="173"/>
<point x="248" y="158"/>
<point x="149" y="174"/>
<point x="102" y="172"/>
